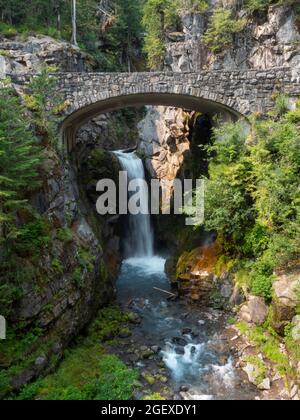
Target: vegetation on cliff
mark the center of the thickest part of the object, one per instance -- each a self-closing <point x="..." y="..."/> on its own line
<point x="232" y="18"/>
<point x="88" y="371"/>
<point x="253" y="196"/>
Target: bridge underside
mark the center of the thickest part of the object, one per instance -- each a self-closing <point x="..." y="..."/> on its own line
<point x="74" y="121"/>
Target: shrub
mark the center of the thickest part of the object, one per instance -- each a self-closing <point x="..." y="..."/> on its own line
<point x="77" y="277"/>
<point x="262" y="286"/>
<point x="33" y="236"/>
<point x="57" y="266"/>
<point x="65" y="235"/>
<point x="254" y="5"/>
<point x="223" y="26"/>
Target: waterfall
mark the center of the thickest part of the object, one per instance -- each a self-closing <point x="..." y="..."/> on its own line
<point x="139" y="240"/>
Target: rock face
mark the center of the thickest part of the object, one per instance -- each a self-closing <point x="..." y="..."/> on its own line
<point x="109" y="131"/>
<point x="296" y="328"/>
<point x="72" y="276"/>
<point x="196" y="279"/>
<point x="271" y="39"/>
<point x="286" y="298"/>
<point x="23" y="57"/>
<point x="163" y="143"/>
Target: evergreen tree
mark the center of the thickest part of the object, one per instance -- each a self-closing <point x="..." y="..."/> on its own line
<point x="19" y="158"/>
<point x="126" y="34"/>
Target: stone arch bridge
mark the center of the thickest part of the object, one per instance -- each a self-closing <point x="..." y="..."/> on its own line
<point x="233" y="94"/>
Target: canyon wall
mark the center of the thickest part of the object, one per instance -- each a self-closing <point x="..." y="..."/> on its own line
<point x="64" y="280"/>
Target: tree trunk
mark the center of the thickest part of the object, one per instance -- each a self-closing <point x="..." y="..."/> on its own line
<point x="74" y="24"/>
<point x="59" y="23"/>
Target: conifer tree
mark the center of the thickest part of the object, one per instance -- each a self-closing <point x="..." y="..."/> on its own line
<point x="19" y="157"/>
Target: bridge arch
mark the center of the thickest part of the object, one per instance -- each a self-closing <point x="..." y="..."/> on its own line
<point x="74" y="121"/>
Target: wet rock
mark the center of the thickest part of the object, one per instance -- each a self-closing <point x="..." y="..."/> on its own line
<point x="161" y="364"/>
<point x="187" y="331"/>
<point x="226" y="290"/>
<point x="162" y="379"/>
<point x="179" y="340"/>
<point x="146" y="354"/>
<point x="180" y="350"/>
<point x="156" y="349"/>
<point x="254" y="311"/>
<point x="125" y="334"/>
<point x="150" y="379"/>
<point x="134" y="318"/>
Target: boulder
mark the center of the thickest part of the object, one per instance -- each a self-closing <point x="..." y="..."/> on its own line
<point x="285" y="299"/>
<point x="254" y="311"/>
<point x="296" y="328"/>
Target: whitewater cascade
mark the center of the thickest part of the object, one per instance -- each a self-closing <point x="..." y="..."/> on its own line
<point x="139" y="240"/>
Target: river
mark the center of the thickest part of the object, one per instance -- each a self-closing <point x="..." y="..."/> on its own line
<point x="189" y="341"/>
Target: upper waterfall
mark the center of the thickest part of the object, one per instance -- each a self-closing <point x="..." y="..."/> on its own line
<point x="139" y="239"/>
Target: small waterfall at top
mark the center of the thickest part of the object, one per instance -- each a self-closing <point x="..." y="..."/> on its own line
<point x="139" y="240"/>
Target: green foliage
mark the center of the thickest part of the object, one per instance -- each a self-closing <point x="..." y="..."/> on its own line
<point x="125" y="36"/>
<point x="8" y="30"/>
<point x="156" y="12"/>
<point x="64" y="235"/>
<point x="281" y="105"/>
<point x="57" y="266"/>
<point x="292" y="346"/>
<point x="160" y="17"/>
<point x="268" y="343"/>
<point x="44" y="100"/>
<point x="106" y="378"/>
<point x="32" y="237"/>
<point x="261" y="5"/>
<point x="262" y="286"/>
<point x="199" y="6"/>
<point x="254" y="5"/>
<point x="87" y="372"/>
<point x="253" y="196"/>
<point x="14" y="353"/>
<point x="20" y="157"/>
<point x="223" y="26"/>
<point x="154" y="397"/>
<point x="77" y="277"/>
<point x="109" y="323"/>
<point x="230" y="212"/>
<point x="86" y="260"/>
<point x="260" y="368"/>
<point x="256" y="240"/>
